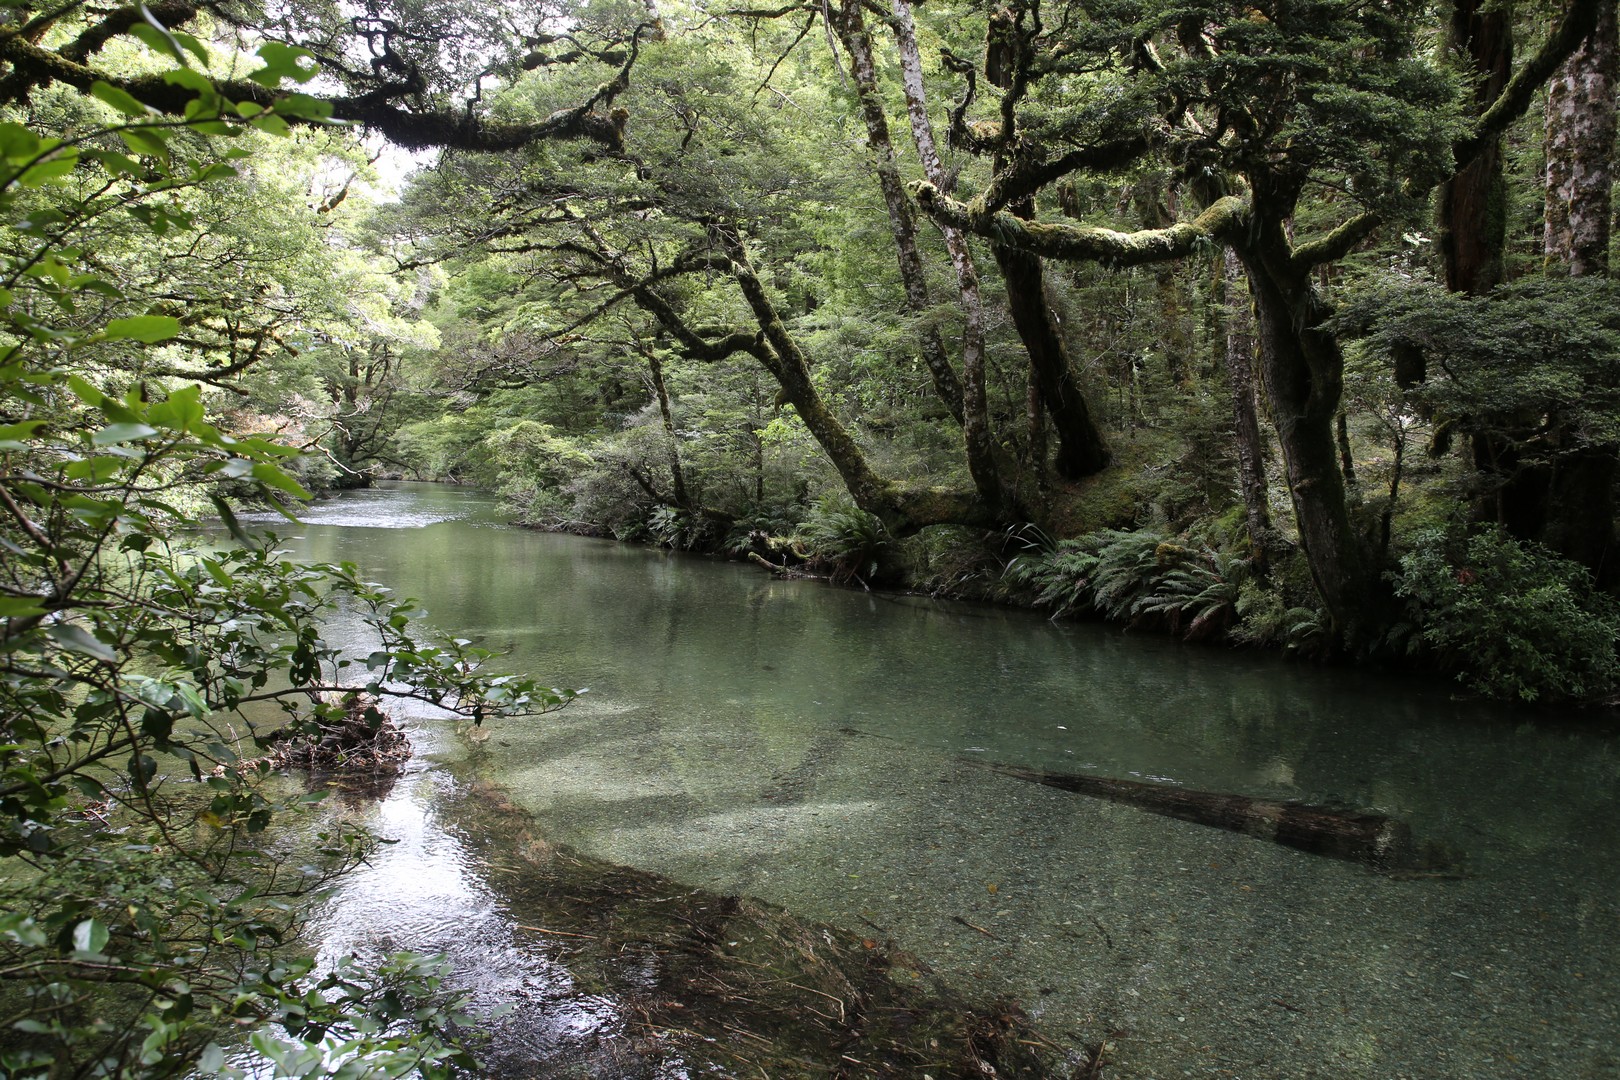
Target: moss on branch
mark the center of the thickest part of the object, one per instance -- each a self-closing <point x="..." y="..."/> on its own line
<point x="1083" y="243"/>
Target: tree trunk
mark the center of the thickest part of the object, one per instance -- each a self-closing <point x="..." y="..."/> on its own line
<point x="1579" y="520"/>
<point x="1472" y="204"/>
<point x="1580" y="151"/>
<point x="1303" y="370"/>
<point x="672" y="447"/>
<point x="1081" y="451"/>
<point x="988" y="476"/>
<point x="1245" y="417"/>
<point x="1373" y="839"/>
<point x="783" y="358"/>
<point x="902" y="219"/>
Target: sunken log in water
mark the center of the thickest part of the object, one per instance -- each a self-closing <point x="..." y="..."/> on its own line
<point x="1378" y="841"/>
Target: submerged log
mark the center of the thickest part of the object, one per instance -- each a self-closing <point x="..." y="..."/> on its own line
<point x="1380" y="842"/>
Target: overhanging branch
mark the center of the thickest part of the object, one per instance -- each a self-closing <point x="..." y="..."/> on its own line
<point x="1080" y="243"/>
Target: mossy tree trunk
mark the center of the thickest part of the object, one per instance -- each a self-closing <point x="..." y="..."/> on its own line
<point x="1081" y="451"/>
<point x="857" y="43"/>
<point x="990" y="476"/>
<point x="1302" y="366"/>
<point x="1579" y="517"/>
<point x="1472" y="203"/>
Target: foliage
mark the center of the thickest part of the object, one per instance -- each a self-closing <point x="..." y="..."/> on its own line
<point x="145" y="911"/>
<point x="1513" y="620"/>
<point x="1546" y="348"/>
<point x="851" y="541"/>
<point x="1137" y="577"/>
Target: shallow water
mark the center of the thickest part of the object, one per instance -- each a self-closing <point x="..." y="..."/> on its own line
<point x="821" y="749"/>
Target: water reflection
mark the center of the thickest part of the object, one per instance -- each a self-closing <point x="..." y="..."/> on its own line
<point x="805" y="745"/>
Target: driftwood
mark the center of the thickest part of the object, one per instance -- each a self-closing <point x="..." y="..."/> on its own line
<point x="1380" y="842"/>
<point x="348" y="736"/>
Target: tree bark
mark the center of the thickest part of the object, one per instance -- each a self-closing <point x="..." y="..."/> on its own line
<point x="1580" y="151"/>
<point x="988" y="476"/>
<point x="903" y="511"/>
<point x="672" y="446"/>
<point x="1581" y="116"/>
<point x="1245" y="416"/>
<point x="1472" y="203"/>
<point x="1081" y="451"/>
<point x="1303" y="370"/>
<point x="1373" y="839"/>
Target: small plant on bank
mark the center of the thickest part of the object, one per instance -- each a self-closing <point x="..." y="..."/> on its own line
<point x="850" y="541"/>
<point x="1137" y="577"/>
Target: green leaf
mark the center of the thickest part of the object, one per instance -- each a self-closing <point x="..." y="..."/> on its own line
<point x="17" y="143"/>
<point x="233" y="526"/>
<point x="124" y="432"/>
<point x="55" y="167"/>
<point x="180" y="411"/>
<point x="211" y="1060"/>
<point x="121" y="100"/>
<point x="19" y="607"/>
<point x="191" y="80"/>
<point x="283" y="62"/>
<point x="90" y="936"/>
<point x="77" y="639"/>
<point x="271" y="124"/>
<point x="147" y="141"/>
<point x="144" y="328"/>
<point x="272" y="477"/>
<point x="191" y="45"/>
<point x="96" y="470"/>
<point x="304" y="107"/>
<point x="158" y="37"/>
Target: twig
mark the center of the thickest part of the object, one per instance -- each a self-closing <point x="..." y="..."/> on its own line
<point x="559" y="933"/>
<point x="970" y="926"/>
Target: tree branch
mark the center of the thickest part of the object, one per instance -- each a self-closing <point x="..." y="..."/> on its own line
<point x="1079" y="243"/>
<point x="32" y="66"/>
<point x="1515" y="98"/>
<point x="1336" y="244"/>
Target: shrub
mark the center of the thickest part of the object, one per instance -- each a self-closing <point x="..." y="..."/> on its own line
<point x="1512" y="619"/>
<point x="1137" y="577"/>
<point x="850" y="540"/>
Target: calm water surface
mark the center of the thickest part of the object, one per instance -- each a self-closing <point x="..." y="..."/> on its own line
<point x="819" y="748"/>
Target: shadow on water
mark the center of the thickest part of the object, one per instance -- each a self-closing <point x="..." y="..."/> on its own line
<point x="587" y="969"/>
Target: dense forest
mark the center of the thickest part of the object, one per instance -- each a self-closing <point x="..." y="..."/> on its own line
<point x="1286" y="323"/>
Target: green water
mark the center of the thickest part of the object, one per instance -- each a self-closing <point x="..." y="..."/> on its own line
<point x="819" y="749"/>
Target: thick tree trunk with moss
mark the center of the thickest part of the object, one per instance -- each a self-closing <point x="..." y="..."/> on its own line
<point x="1581" y="115"/>
<point x="1580" y="151"/>
<point x="1081" y="451"/>
<point x="1473" y="202"/>
<point x="903" y="511"/>
<point x="902" y="220"/>
<point x="1303" y="370"/>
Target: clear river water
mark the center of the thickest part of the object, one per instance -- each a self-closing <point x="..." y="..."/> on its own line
<point x="821" y="750"/>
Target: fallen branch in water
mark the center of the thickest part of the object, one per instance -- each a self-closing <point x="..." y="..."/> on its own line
<point x="1380" y="842"/>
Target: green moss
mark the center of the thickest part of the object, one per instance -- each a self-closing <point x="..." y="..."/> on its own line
<point x="1117" y="497"/>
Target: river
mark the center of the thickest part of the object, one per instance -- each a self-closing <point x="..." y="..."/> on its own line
<point x="821" y="750"/>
